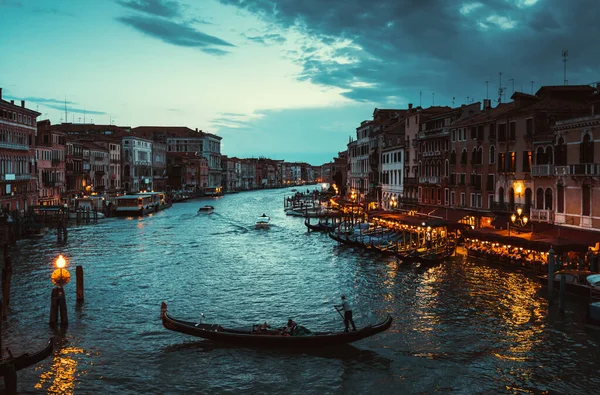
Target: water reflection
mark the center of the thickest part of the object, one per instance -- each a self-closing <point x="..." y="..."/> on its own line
<point x="64" y="370"/>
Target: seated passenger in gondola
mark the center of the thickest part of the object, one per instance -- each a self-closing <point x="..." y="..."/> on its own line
<point x="289" y="328"/>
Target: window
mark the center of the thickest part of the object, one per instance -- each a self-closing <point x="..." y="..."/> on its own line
<point x="501" y="162"/>
<point x="513" y="162"/>
<point x="586" y="149"/>
<point x="453" y="157"/>
<point x="453" y="133"/>
<point x="492" y="155"/>
<point x="502" y="132"/>
<point x="446" y="196"/>
<point x="529" y="127"/>
<point x="473" y="200"/>
<point x="560" y="197"/>
<point x="527" y="158"/>
<point x="560" y="153"/>
<point x="490" y="201"/>
<point x="492" y="134"/>
<point x="548" y="198"/>
<point x="512" y="131"/>
<point x="463" y="157"/>
<point x="447" y="168"/>
<point x="462" y="199"/>
<point x="490" y="182"/>
<point x="473" y="132"/>
<point x="452" y="200"/>
<point x="586" y="195"/>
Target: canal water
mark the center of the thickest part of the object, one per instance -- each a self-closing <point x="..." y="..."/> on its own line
<point x="462" y="327"/>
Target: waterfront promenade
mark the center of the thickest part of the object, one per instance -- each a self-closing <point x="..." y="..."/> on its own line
<point x="461" y="326"/>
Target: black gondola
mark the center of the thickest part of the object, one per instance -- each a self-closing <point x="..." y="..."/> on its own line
<point x="426" y="257"/>
<point x="26" y="360"/>
<point x="319" y="226"/>
<point x="248" y="337"/>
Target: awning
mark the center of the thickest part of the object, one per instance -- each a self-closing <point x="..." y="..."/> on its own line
<point x="501" y="221"/>
<point x="527" y="240"/>
<point x="453" y="215"/>
<point x="580" y="236"/>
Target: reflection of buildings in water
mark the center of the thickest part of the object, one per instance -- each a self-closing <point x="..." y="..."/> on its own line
<point x="62" y="374"/>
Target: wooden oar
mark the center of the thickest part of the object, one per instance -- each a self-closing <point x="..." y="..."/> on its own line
<point x="336" y="309"/>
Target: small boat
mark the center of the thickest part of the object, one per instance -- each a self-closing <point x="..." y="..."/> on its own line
<point x="250" y="337"/>
<point x="26" y="360"/>
<point x="263" y="222"/>
<point x="206" y="209"/>
<point x="576" y="281"/>
<point x="426" y="257"/>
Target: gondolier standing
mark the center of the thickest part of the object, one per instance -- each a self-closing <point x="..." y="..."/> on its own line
<point x="347" y="314"/>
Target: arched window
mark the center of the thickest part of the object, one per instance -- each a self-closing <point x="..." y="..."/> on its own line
<point x="474" y="156"/>
<point x="439" y="168"/>
<point x="528" y="198"/>
<point x="587" y="149"/>
<point x="549" y="156"/>
<point x="480" y="156"/>
<point x="539" y="156"/>
<point x="560" y="198"/>
<point x="447" y="169"/>
<point x="463" y="157"/>
<point x="511" y="198"/>
<point x="539" y="199"/>
<point x="501" y="195"/>
<point x="560" y="153"/>
<point x="453" y="157"/>
<point x="492" y="155"/>
<point x="548" y="198"/>
<point x="586" y="198"/>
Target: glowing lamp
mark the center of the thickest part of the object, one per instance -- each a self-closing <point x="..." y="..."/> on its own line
<point x="513" y="218"/>
<point x="519" y="211"/>
<point x="525" y="220"/>
<point x="61" y="262"/>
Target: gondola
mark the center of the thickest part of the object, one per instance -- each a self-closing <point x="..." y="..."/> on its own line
<point x="425" y="257"/>
<point x="247" y="337"/>
<point x="319" y="226"/>
<point x="25" y="360"/>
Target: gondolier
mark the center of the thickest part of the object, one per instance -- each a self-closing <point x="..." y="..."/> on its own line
<point x="347" y="314"/>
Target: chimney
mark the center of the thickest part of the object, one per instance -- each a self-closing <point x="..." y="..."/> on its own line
<point x="410" y="106"/>
<point x="12" y="102"/>
<point x="487" y="104"/>
<point x="23" y="103"/>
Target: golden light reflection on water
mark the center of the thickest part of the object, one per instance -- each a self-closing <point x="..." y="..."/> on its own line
<point x="61" y="377"/>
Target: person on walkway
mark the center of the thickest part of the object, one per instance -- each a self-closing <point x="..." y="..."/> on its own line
<point x="347" y="314"/>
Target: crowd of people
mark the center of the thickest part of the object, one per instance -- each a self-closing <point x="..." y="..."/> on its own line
<point x="514" y="256"/>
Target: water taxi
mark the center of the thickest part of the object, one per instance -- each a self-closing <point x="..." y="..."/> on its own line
<point x="206" y="209"/>
<point x="263" y="222"/>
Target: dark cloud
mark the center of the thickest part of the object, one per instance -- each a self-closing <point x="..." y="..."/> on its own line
<point x="74" y="109"/>
<point x="55" y="104"/>
<point x="11" y="3"/>
<point x="43" y="100"/>
<point x="180" y="34"/>
<point x="403" y="47"/>
<point x="267" y="39"/>
<point x="165" y="8"/>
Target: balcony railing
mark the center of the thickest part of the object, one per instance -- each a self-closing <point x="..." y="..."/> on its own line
<point x="561" y="170"/>
<point x="542" y="170"/>
<point x="20" y="147"/>
<point x="410" y="180"/>
<point x="542" y="215"/>
<point x="429" y="180"/>
<point x="431" y="153"/>
<point x="585" y="169"/>
<point x="18" y="177"/>
<point x="407" y="200"/>
<point x="510" y="207"/>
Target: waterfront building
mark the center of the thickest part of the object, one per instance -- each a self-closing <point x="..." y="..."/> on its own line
<point x="230" y="176"/>
<point x="358" y="161"/>
<point x="18" y="177"/>
<point x="50" y="156"/>
<point x="159" y="166"/>
<point x="391" y="161"/>
<point x="414" y="119"/>
<point x="212" y="152"/>
<point x="433" y="154"/>
<point x="566" y="173"/>
<point x="295" y="173"/>
<point x="137" y="164"/>
<point x="335" y="172"/>
<point x="248" y="174"/>
<point x="95" y="167"/>
<point x="74" y="168"/>
<point x="112" y="145"/>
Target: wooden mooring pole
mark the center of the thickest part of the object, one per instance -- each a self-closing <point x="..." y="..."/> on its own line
<point x="58" y="306"/>
<point x="6" y="277"/>
<point x="79" y="283"/>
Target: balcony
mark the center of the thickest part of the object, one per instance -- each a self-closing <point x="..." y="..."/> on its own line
<point x="410" y="181"/>
<point x="542" y="215"/>
<point x="429" y="180"/>
<point x="542" y="170"/>
<point x="561" y="170"/>
<point x="431" y="154"/>
<point x="407" y="200"/>
<point x="19" y="147"/>
<point x="504" y="207"/>
<point x="585" y="169"/>
<point x="17" y="177"/>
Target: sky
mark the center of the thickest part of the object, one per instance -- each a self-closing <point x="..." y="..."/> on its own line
<point x="284" y="79"/>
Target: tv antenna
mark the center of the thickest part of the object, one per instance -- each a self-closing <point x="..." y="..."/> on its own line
<point x="433" y="99"/>
<point x="500" y="88"/>
<point x="512" y="80"/>
<point x="565" y="55"/>
<point x="486" y="90"/>
<point x="453" y="98"/>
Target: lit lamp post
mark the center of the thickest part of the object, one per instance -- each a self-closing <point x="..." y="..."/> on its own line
<point x="58" y="304"/>
<point x="518" y="219"/>
<point x="393" y="203"/>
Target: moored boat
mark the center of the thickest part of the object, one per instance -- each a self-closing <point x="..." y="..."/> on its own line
<point x="576" y="281"/>
<point x="250" y="337"/>
<point x="26" y="360"/>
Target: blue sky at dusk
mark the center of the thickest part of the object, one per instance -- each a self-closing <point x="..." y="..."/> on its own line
<point x="283" y="79"/>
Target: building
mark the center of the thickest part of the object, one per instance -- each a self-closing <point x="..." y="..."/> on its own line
<point x="74" y="174"/>
<point x="95" y="167"/>
<point x="50" y="155"/>
<point x="18" y="176"/>
<point x="137" y="164"/>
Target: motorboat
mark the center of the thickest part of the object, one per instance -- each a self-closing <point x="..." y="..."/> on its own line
<point x="206" y="209"/>
<point x="263" y="222"/>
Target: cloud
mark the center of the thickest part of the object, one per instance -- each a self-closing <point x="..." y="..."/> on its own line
<point x="237" y="121"/>
<point x="11" y="3"/>
<point x="267" y="39"/>
<point x="56" y="104"/>
<point x="164" y="8"/>
<point x="180" y="34"/>
<point x="398" y="48"/>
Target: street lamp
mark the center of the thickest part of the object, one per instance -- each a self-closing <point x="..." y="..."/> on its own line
<point x="60" y="278"/>
<point x="518" y="219"/>
<point x="393" y="203"/>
